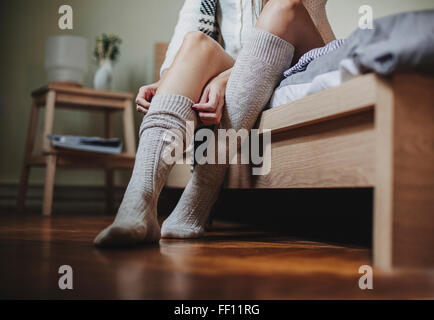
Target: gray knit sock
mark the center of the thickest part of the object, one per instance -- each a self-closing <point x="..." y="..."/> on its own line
<point x="254" y="76"/>
<point x="136" y="220"/>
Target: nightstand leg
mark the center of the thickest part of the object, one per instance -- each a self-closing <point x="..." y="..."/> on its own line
<point x="22" y="189"/>
<point x="109" y="177"/>
<point x="109" y="173"/>
<point x="49" y="184"/>
<point x="24" y="179"/>
<point x="128" y="122"/>
<point x="49" y="120"/>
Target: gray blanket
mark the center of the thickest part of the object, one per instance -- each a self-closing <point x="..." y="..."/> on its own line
<point x="401" y="42"/>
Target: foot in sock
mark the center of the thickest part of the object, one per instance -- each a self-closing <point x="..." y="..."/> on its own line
<point x="136" y="220"/>
<point x="191" y="213"/>
<point x="254" y="76"/>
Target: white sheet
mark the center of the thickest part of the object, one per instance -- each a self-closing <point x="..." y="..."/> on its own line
<point x="347" y="70"/>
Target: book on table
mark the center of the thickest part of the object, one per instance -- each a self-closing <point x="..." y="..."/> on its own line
<point x="93" y="144"/>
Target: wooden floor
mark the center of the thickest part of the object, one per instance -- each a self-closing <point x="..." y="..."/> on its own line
<point x="231" y="262"/>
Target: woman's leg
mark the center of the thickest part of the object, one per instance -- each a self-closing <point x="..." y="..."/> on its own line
<point x="282" y="25"/>
<point x="293" y="25"/>
<point x="199" y="59"/>
<point x="317" y="11"/>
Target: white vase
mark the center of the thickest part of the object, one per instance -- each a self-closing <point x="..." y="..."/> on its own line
<point x="66" y="58"/>
<point x="103" y="79"/>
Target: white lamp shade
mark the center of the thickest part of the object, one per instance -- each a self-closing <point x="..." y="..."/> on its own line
<point x="66" y="58"/>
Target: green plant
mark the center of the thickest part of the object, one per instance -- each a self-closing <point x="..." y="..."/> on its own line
<point x="107" y="47"/>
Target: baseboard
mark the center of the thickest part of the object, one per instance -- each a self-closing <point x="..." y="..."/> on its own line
<point x="66" y="198"/>
<point x="75" y="199"/>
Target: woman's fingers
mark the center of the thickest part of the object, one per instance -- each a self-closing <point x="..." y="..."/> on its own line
<point x="144" y="97"/>
<point x="210" y="113"/>
<point x="204" y="97"/>
<point x="209" y="106"/>
<point x="149" y="94"/>
<point x="205" y="107"/>
<point x="209" y="118"/>
<point x="142" y="103"/>
<point x="141" y="109"/>
<point x="220" y="105"/>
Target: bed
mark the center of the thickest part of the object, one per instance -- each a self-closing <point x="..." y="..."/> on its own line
<point x="368" y="132"/>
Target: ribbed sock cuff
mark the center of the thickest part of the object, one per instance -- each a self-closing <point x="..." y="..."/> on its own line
<point x="270" y="48"/>
<point x="173" y="104"/>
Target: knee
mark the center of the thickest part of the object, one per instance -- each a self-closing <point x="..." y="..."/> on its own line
<point x="197" y="40"/>
<point x="281" y="8"/>
<point x="279" y="13"/>
<point x="283" y="5"/>
<point x="195" y="37"/>
<point x="278" y="16"/>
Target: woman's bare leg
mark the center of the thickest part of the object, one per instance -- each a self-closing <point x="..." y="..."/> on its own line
<point x="293" y="25"/>
<point x="282" y="26"/>
<point x="318" y="13"/>
<point x="199" y="59"/>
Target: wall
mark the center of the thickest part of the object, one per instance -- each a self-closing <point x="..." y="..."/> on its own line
<point x="344" y="16"/>
<point x="26" y="24"/>
<point x="140" y="23"/>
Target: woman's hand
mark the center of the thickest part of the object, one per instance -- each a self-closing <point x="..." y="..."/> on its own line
<point x="144" y="97"/>
<point x="210" y="106"/>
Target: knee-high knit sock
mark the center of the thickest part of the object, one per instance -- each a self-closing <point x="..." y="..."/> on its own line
<point x="254" y="76"/>
<point x="136" y="220"/>
<point x="317" y="11"/>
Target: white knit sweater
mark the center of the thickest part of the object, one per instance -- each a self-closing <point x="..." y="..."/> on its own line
<point x="236" y="19"/>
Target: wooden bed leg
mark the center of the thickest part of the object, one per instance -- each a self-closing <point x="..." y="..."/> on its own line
<point x="404" y="201"/>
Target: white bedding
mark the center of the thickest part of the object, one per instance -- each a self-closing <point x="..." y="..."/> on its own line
<point x="284" y="95"/>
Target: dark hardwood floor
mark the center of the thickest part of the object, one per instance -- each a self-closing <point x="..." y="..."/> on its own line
<point x="231" y="262"/>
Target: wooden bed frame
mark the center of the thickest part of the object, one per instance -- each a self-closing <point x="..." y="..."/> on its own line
<point x="368" y="132"/>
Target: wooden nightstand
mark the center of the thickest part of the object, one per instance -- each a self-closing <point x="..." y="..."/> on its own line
<point x="65" y="96"/>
